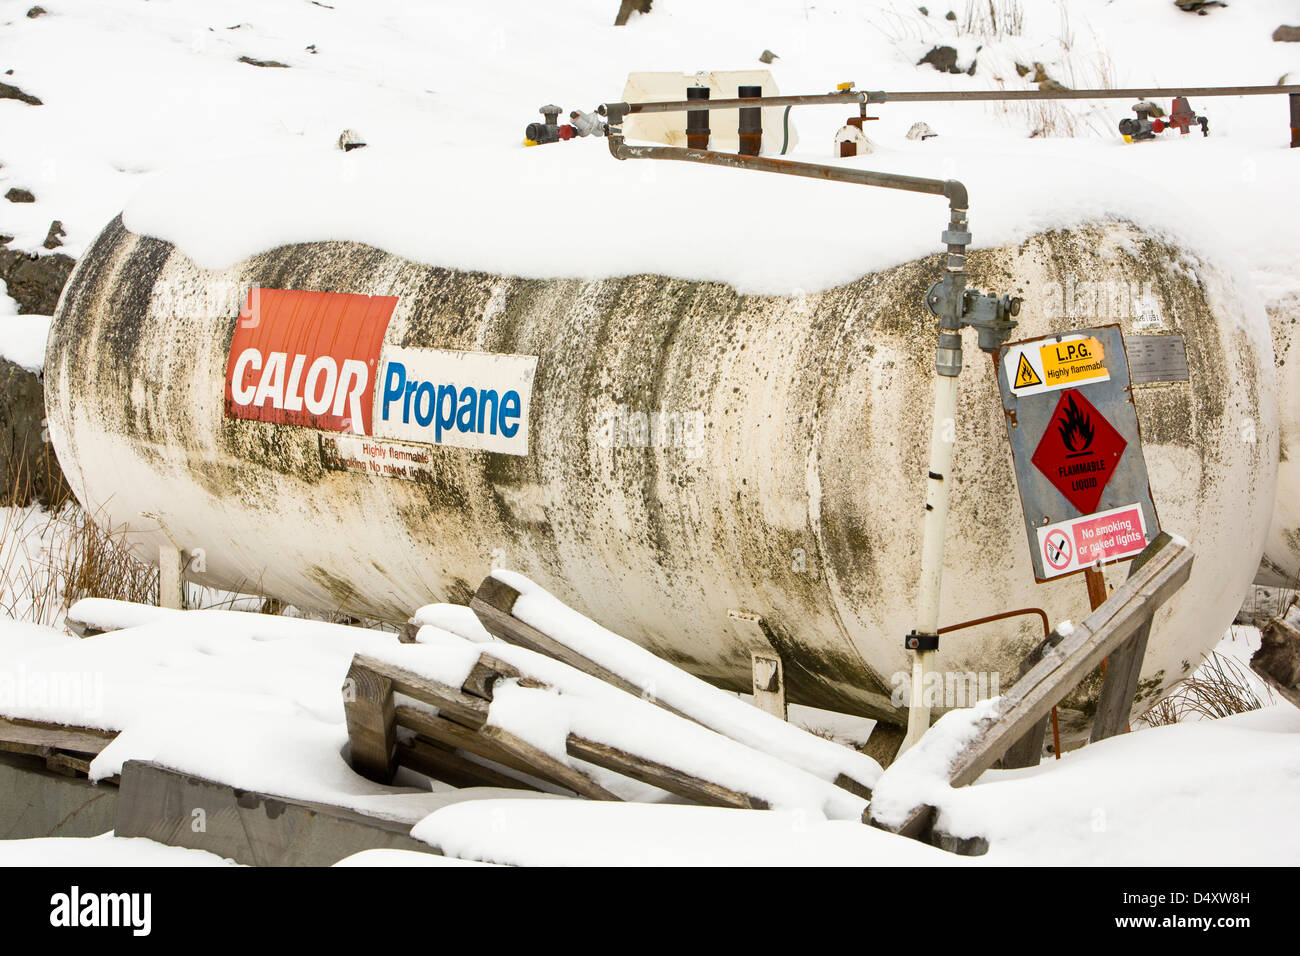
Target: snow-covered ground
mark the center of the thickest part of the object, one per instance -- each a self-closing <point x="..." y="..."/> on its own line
<point x="147" y="108"/>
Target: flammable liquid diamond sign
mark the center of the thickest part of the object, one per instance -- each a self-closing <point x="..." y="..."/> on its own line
<point x="1077" y="450"/>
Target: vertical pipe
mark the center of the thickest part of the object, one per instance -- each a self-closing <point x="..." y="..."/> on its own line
<point x="751" y="122"/>
<point x="1295" y="120"/>
<point x="697" y="121"/>
<point x="942" y="439"/>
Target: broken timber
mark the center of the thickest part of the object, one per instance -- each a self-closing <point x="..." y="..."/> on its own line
<point x="443" y="740"/>
<point x="65" y="749"/>
<point x="1125" y="615"/>
<point x="494" y="604"/>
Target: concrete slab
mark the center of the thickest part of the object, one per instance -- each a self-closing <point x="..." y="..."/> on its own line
<point x="36" y="802"/>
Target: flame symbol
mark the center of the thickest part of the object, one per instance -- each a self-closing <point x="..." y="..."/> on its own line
<point x="1073" y="425"/>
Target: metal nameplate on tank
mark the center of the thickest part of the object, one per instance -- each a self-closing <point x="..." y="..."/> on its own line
<point x="1156" y="358"/>
<point x="1076" y="449"/>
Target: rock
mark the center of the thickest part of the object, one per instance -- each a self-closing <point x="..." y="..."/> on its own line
<point x="8" y="92"/>
<point x="35" y="281"/>
<point x="35" y="12"/>
<point x="1022" y="70"/>
<point x="1044" y="81"/>
<point x="276" y="64"/>
<point x="767" y="56"/>
<point x="55" y="235"/>
<point x="350" y="139"/>
<point x="1198" y="6"/>
<point x="28" y="466"/>
<point x="17" y="194"/>
<point x="950" y="15"/>
<point x="1278" y="658"/>
<point x="944" y="59"/>
<point x="921" y="131"/>
<point x="1285" y="34"/>
<point x="924" y="11"/>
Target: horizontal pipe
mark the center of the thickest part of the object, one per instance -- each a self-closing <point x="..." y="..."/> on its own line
<point x="1132" y="93"/>
<point x="924" y="96"/>
<point x="950" y="188"/>
<point x="674" y="106"/>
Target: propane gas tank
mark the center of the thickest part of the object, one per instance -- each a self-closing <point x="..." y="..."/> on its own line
<point x="368" y="434"/>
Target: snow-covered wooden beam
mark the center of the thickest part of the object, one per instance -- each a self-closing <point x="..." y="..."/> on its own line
<point x="462" y="724"/>
<point x="519" y="612"/>
<point x="1167" y="563"/>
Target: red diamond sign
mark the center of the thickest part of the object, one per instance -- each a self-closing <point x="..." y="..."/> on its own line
<point x="1079" y="451"/>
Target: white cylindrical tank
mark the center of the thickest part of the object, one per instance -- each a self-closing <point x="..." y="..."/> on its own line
<point x="681" y="450"/>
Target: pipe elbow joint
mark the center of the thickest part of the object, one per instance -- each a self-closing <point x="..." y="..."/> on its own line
<point x="956" y="193"/>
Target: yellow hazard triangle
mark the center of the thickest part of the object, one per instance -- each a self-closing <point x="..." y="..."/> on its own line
<point x="1025" y="374"/>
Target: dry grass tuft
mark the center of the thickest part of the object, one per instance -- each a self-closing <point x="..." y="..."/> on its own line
<point x="1222" y="686"/>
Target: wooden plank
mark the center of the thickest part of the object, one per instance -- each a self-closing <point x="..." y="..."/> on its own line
<point x="455" y="736"/>
<point x="31" y="737"/>
<point x="661" y="775"/>
<point x="1049" y="681"/>
<point x="571" y="777"/>
<point x="1028" y="750"/>
<point x="454" y="768"/>
<point x="452" y="702"/>
<point x="72" y="765"/>
<point x="494" y="604"/>
<point x="1119" y="684"/>
<point x="500" y="746"/>
<point x="486" y="672"/>
<point x="372" y="728"/>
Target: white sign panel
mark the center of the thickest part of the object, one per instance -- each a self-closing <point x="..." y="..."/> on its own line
<point x="477" y="400"/>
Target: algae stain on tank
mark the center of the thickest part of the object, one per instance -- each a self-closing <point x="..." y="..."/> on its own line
<point x="786" y="482"/>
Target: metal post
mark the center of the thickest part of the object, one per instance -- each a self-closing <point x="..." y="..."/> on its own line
<point x="697" y="120"/>
<point x="1295" y="120"/>
<point x="751" y="123"/>
<point x="171" y="576"/>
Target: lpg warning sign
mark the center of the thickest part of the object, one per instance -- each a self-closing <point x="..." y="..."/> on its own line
<point x="1077" y="450"/>
<point x="1047" y="366"/>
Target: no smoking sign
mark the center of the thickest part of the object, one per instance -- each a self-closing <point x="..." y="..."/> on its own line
<point x="1077" y="450"/>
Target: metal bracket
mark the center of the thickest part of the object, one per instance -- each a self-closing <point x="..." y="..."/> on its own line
<point x="921" y="642"/>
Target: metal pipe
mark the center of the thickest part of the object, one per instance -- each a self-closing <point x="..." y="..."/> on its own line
<point x="676" y="106"/>
<point x="925" y="96"/>
<point x="947" y="302"/>
<point x="697" y="120"/>
<point x="1295" y="120"/>
<point x="750" y="131"/>
<point x="957" y="96"/>
<point x="950" y="188"/>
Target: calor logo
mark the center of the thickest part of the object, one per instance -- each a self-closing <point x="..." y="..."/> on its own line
<point x="307" y="358"/>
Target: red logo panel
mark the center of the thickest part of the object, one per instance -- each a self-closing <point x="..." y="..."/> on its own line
<point x="307" y="358"/>
<point x="1079" y="451"/>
